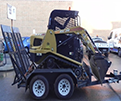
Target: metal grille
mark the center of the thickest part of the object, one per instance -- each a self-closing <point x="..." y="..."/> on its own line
<point x="16" y="51"/>
<point x="62" y="23"/>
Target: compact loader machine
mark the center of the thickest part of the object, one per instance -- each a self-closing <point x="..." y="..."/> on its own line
<point x="56" y="61"/>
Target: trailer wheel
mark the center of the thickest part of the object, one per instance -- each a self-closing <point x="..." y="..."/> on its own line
<point x="64" y="86"/>
<point x="119" y="52"/>
<point x="39" y="87"/>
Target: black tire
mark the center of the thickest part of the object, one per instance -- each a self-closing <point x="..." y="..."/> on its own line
<point x="27" y="49"/>
<point x="64" y="86"/>
<point x="39" y="87"/>
<point x="106" y="54"/>
<point x="119" y="52"/>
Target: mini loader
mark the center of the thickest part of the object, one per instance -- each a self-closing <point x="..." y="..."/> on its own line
<point x="55" y="61"/>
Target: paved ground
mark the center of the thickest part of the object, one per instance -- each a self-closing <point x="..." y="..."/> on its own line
<point x="106" y="92"/>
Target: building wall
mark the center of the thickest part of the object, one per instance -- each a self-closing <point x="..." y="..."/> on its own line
<point x="31" y="14"/>
<point x="105" y="33"/>
<point x="34" y="14"/>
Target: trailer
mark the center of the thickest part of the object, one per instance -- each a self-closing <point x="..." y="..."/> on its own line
<point x="55" y="60"/>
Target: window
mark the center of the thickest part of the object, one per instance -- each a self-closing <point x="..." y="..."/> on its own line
<point x="37" y="42"/>
<point x="111" y="35"/>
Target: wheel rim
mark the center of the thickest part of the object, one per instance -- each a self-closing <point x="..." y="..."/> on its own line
<point x="64" y="87"/>
<point x="38" y="88"/>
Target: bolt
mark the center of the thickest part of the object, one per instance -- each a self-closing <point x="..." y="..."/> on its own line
<point x="52" y="49"/>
